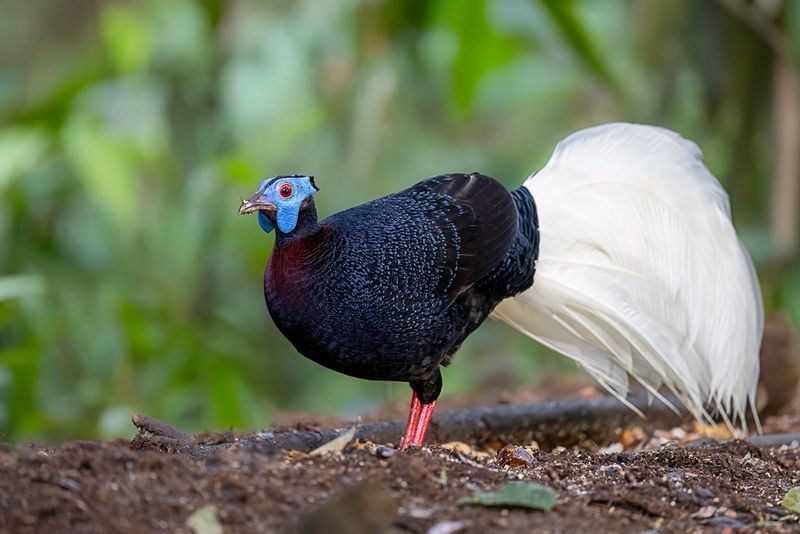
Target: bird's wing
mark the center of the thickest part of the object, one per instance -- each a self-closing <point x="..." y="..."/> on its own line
<point x="418" y="249"/>
<point x="640" y="271"/>
<point x="476" y="217"/>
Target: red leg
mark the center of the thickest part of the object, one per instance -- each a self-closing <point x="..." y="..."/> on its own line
<point x="419" y="417"/>
<point x="414" y="411"/>
<point x="424" y="421"/>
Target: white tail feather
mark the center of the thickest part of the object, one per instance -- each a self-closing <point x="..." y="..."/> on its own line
<point x="640" y="271"/>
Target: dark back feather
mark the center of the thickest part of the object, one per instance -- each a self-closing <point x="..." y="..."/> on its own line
<point x="479" y="227"/>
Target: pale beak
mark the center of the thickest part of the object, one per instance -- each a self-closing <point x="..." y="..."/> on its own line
<point x="257" y="203"/>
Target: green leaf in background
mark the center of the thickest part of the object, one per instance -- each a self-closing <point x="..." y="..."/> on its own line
<point x="105" y="166"/>
<point x="481" y="48"/>
<point x="225" y="392"/>
<point x="791" y="501"/>
<point x="128" y="37"/>
<point x="791" y="295"/>
<point x="21" y="285"/>
<point x="577" y="35"/>
<point x="793" y="27"/>
<point x="517" y="495"/>
<point x="20" y="149"/>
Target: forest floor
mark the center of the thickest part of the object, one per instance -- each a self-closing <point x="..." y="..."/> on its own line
<point x="642" y="479"/>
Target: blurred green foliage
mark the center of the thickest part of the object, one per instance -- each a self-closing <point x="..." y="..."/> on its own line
<point x="129" y="130"/>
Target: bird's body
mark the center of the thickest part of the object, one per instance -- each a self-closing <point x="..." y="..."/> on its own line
<point x="639" y="272"/>
<point x="389" y="289"/>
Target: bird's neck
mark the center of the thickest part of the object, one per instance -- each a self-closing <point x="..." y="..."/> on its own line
<point x="295" y="256"/>
<point x="306" y="225"/>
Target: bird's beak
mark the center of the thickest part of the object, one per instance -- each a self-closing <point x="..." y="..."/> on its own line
<point x="257" y="203"/>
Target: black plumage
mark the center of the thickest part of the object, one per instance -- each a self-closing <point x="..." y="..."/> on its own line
<point x="389" y="290"/>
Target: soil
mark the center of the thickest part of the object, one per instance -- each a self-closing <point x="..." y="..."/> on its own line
<point x="635" y="484"/>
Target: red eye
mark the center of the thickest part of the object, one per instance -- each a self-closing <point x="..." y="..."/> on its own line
<point x="285" y="190"/>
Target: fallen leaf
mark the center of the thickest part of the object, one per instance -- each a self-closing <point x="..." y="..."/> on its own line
<point x="458" y="446"/>
<point x="336" y="444"/>
<point x="791" y="501"/>
<point x="204" y="521"/>
<point x="632" y="437"/>
<point x="715" y="431"/>
<point x="514" y="456"/>
<point x="290" y="454"/>
<point x="366" y="445"/>
<point x="516" y="494"/>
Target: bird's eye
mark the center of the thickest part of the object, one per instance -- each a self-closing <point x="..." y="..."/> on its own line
<point x="285" y="190"/>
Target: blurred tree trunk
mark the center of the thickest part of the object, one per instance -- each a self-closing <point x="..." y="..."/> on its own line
<point x="786" y="181"/>
<point x="769" y="21"/>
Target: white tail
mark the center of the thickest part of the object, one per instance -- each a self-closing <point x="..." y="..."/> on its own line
<point x="640" y="272"/>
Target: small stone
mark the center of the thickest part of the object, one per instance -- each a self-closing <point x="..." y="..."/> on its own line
<point x="514" y="456"/>
<point x="675" y="475"/>
<point x="382" y="451"/>
<point x="705" y="512"/>
<point x="613" y="448"/>
<point x="68" y="484"/>
<point x="703" y="493"/>
<point x="418" y="512"/>
<point x="677" y="433"/>
<point x="447" y="527"/>
<point x="721" y="521"/>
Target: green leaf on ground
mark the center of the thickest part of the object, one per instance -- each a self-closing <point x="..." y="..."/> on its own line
<point x="204" y="521"/>
<point x="791" y="501"/>
<point x="515" y="494"/>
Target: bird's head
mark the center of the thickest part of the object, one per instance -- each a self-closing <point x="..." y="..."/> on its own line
<point x="279" y="201"/>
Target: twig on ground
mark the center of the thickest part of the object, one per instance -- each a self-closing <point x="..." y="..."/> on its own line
<point x="556" y="423"/>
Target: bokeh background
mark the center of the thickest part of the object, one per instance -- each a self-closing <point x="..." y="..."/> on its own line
<point x="130" y="129"/>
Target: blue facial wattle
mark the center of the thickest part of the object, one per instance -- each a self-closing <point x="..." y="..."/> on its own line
<point x="287" y="217"/>
<point x="287" y="193"/>
<point x="264" y="222"/>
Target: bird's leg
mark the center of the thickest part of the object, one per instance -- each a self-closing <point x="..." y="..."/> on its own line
<point x="421" y="409"/>
<point x="424" y="421"/>
<point x="414" y="410"/>
<point x="419" y="417"/>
